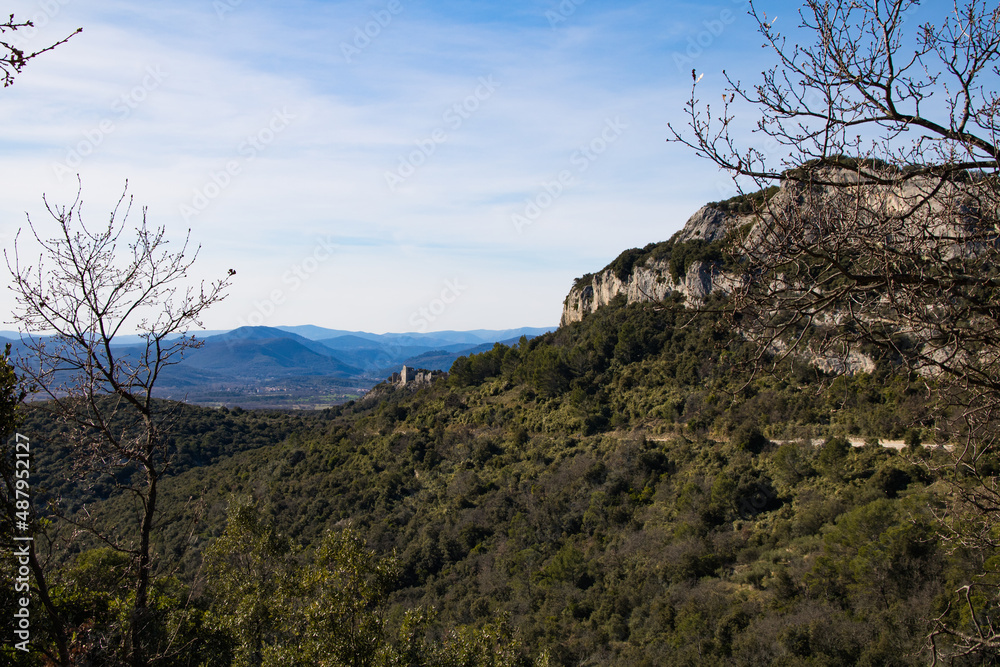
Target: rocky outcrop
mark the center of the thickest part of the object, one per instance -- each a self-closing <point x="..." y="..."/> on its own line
<point x="651" y="276"/>
<point x="915" y="217"/>
<point x="941" y="215"/>
<point x="707" y="224"/>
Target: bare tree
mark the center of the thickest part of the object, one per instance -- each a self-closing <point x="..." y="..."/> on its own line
<point x="884" y="236"/>
<point x="87" y="289"/>
<point x="12" y="58"/>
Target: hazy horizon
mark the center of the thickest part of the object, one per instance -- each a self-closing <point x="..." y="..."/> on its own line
<point x="7" y="333"/>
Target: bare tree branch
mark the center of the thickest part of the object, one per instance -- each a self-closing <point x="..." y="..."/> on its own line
<point x="14" y="59"/>
<point x="87" y="289"/>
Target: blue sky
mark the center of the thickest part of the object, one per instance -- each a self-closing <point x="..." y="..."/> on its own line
<point x="365" y="165"/>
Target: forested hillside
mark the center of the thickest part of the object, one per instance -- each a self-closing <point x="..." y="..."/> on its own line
<point x="691" y="470"/>
<point x="621" y="491"/>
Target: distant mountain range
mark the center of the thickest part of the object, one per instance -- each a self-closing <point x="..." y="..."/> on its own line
<point x="282" y="366"/>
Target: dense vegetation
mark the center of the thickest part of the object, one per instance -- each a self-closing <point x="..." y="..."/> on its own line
<point x="201" y="437"/>
<point x="620" y="491"/>
<point x="679" y="254"/>
<point x="750" y="202"/>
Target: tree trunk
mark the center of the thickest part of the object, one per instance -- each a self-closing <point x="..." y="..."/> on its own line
<point x="58" y="628"/>
<point x="140" y="613"/>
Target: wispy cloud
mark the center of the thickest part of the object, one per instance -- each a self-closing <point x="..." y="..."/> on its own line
<point x="221" y="78"/>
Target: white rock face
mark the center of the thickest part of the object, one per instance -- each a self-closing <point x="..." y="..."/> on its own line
<point x="652" y="280"/>
<point x="917" y="216"/>
<point x="707" y="224"/>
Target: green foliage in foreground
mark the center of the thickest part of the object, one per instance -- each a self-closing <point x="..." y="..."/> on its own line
<point x="328" y="608"/>
<point x="620" y="491"/>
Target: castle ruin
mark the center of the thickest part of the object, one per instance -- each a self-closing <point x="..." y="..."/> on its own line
<point x="414" y="377"/>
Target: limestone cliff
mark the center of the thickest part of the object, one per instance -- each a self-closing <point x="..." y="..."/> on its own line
<point x="688" y="264"/>
<point x="691" y="264"/>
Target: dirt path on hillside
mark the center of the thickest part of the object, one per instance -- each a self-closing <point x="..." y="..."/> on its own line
<point x="855" y="442"/>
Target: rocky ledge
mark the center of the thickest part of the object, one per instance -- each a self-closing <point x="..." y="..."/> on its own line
<point x="688" y="264"/>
